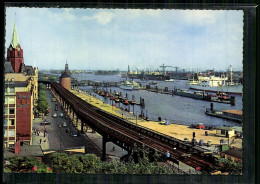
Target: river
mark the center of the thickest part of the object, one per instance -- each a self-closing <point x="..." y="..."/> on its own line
<point x="176" y="109"/>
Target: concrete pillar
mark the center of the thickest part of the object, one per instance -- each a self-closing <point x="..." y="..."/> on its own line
<point x="82" y="124"/>
<point x="104" y="141"/>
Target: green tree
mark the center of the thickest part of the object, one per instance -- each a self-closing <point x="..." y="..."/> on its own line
<point x="43" y="104"/>
<point x="61" y="163"/>
<point x="230" y="166"/>
<point x="25" y="164"/>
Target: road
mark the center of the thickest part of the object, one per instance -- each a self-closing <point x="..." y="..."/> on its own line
<point x="58" y="138"/>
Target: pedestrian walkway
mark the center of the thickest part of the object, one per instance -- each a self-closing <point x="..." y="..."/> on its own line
<point x="38" y="134"/>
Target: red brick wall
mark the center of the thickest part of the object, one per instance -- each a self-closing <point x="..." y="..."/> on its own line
<point x="66" y="83"/>
<point x="23" y="115"/>
<point x="16" y="58"/>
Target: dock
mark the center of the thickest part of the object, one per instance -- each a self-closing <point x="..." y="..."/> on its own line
<point x="233" y="115"/>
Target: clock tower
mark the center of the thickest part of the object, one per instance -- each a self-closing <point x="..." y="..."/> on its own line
<point x="15" y="53"/>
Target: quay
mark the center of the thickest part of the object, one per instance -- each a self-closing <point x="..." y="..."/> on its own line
<point x="174" y="130"/>
<point x="233" y="115"/>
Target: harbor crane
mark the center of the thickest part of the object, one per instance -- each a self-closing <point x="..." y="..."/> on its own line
<point x="163" y="67"/>
<point x="176" y="68"/>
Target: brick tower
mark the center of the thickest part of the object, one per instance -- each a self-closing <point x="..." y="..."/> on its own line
<point x="65" y="79"/>
<point x="15" y="53"/>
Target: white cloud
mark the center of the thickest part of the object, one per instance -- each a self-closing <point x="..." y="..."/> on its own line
<point x="102" y="17"/>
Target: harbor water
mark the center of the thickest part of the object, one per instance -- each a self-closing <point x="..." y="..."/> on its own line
<point x="173" y="108"/>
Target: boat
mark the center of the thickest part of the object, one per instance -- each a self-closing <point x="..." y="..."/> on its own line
<point x="128" y="85"/>
<point x="153" y="83"/>
<point x="216" y="84"/>
<point x="170" y="80"/>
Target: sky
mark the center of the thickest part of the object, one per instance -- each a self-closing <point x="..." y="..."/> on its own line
<point x="110" y="39"/>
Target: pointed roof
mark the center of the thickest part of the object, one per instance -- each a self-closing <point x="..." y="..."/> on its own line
<point x="15" y="39"/>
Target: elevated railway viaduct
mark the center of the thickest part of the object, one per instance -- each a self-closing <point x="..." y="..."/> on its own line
<point x="126" y="134"/>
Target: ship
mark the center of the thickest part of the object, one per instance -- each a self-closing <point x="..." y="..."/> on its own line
<point x="129" y="85"/>
<point x="170" y="80"/>
<point x="217" y="84"/>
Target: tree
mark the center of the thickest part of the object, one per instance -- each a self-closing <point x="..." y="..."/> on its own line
<point x="25" y="164"/>
<point x="43" y="103"/>
<point x="230" y="166"/>
<point x="61" y="163"/>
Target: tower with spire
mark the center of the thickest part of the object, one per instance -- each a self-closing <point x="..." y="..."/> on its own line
<point x="65" y="79"/>
<point x="15" y="53"/>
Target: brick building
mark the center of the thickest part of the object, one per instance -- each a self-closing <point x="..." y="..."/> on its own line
<point x="65" y="78"/>
<point x="21" y="94"/>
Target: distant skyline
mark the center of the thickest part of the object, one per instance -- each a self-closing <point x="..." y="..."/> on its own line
<point x="111" y="39"/>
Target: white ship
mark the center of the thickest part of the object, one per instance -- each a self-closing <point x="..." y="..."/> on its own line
<point x="217" y="84"/>
<point x="128" y="85"/>
<point x="170" y="80"/>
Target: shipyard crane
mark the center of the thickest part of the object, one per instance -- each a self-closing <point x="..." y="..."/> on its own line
<point x="176" y="68"/>
<point x="163" y="67"/>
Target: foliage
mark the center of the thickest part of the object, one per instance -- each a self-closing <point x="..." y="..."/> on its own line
<point x="41" y="87"/>
<point x="43" y="103"/>
<point x="61" y="163"/>
<point x="227" y="165"/>
<point x="89" y="164"/>
<point x="25" y="164"/>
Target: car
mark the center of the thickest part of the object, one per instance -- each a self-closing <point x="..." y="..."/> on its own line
<point x="61" y="115"/>
<point x="73" y="134"/>
<point x="54" y="115"/>
<point x="45" y="123"/>
<point x="67" y="130"/>
<point x="64" y="124"/>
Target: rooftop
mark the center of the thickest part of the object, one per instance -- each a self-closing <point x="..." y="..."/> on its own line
<point x="34" y="150"/>
<point x="237" y="153"/>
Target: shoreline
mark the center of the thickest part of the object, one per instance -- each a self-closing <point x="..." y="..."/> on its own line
<point x="174" y="130"/>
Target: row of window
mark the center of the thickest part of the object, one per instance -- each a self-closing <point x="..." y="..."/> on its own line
<point x="10" y="134"/>
<point x="9" y="90"/>
<point x="10" y="111"/>
<point x="10" y="123"/>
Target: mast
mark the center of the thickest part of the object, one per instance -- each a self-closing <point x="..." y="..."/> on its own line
<point x="231" y="75"/>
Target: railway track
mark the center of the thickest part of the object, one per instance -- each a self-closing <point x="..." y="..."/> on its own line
<point x="113" y="126"/>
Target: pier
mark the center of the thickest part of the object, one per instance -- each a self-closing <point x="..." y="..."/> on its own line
<point x="233" y="115"/>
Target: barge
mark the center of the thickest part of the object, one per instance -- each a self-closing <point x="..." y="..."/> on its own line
<point x="204" y="96"/>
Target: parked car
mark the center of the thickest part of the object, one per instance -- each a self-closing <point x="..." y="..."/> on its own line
<point x="73" y="134"/>
<point x="64" y="124"/>
<point x="67" y="130"/>
<point x="192" y="126"/>
<point x="54" y="115"/>
<point x="45" y="123"/>
<point x="200" y="126"/>
<point x="61" y="115"/>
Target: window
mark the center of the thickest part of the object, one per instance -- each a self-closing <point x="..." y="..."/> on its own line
<point x="11" y="100"/>
<point x="11" y="90"/>
<point x="12" y="122"/>
<point x="5" y="90"/>
<point x="6" y="110"/>
<point x="11" y="133"/>
<point x="11" y="111"/>
<point x="5" y="122"/>
<point x="5" y="133"/>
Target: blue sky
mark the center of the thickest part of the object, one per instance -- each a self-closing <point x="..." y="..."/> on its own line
<point x="113" y="39"/>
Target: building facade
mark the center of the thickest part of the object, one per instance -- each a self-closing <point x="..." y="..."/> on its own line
<point x="21" y="94"/>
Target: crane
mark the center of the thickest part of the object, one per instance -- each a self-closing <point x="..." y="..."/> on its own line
<point x="163" y="67"/>
<point x="176" y="68"/>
